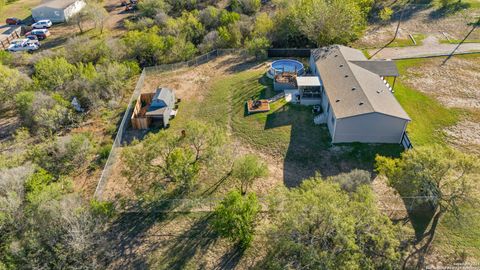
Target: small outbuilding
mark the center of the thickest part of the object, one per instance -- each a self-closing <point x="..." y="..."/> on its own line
<point x="157" y="107"/>
<point x="57" y="10"/>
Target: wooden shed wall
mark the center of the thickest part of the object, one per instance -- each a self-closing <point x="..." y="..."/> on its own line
<point x="138" y="119"/>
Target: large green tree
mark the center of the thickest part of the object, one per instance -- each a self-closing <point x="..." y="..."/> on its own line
<point x="442" y="178"/>
<point x="171" y="157"/>
<point x="320" y="226"/>
<point x="322" y="22"/>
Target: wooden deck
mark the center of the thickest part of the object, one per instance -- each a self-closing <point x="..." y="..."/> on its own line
<point x="261" y="105"/>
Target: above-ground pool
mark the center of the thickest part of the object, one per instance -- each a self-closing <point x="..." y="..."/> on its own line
<point x="285" y="65"/>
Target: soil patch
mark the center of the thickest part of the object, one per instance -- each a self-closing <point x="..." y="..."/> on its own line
<point x="465" y="135"/>
<point x="453" y="84"/>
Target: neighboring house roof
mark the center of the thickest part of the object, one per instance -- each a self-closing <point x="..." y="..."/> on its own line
<point x="162" y="102"/>
<point x="308" y="81"/>
<point x="57" y="4"/>
<point x="352" y="88"/>
<point x="384" y="68"/>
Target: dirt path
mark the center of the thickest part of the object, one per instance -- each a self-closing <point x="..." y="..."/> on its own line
<point x="430" y="47"/>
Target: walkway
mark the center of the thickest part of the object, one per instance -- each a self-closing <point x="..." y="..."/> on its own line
<point x="430" y="47"/>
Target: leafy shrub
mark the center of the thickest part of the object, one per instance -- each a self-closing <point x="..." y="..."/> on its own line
<point x="149" y="8"/>
<point x="43" y="113"/>
<point x="210" y="17"/>
<point x="52" y="73"/>
<point x="101" y="208"/>
<point x="11" y="82"/>
<point x="64" y="155"/>
<point x="257" y="47"/>
<point x="248" y="7"/>
<point x="247" y="169"/>
<point x="82" y="49"/>
<point x="385" y="14"/>
<point x="352" y="180"/>
<point x="234" y="217"/>
<point x="38" y="180"/>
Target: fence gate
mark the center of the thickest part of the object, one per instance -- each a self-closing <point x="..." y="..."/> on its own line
<point x="407" y="144"/>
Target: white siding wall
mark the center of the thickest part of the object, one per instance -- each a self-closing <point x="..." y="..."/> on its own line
<point x="74" y="9"/>
<point x="46" y="13"/>
<point x="369" y="128"/>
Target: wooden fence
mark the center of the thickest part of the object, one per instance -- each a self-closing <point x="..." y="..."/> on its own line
<point x="138" y="119"/>
<point x="5" y="42"/>
<point x="289" y="52"/>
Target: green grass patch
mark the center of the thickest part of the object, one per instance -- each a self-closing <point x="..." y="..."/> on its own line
<point x="460" y="235"/>
<point x="429" y="117"/>
<point x="457" y="41"/>
<point x="21" y="9"/>
<point x="287" y="129"/>
<point x="406" y="42"/>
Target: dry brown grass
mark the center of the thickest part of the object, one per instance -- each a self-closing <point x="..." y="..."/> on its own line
<point x="455" y="85"/>
<point x="455" y="26"/>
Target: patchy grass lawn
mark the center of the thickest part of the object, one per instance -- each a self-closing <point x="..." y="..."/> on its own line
<point x="429" y="117"/>
<point x="405" y="42"/>
<point x="460" y="237"/>
<point x="457" y="41"/>
<point x="398" y="43"/>
<point x="21" y="9"/>
<point x="287" y="130"/>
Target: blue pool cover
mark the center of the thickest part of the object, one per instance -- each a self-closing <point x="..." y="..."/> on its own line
<point x="287" y="66"/>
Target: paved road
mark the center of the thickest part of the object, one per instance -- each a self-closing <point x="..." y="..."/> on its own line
<point x="430" y="46"/>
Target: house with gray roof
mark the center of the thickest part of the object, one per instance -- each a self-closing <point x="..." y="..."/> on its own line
<point x="57" y="10"/>
<point x="358" y="105"/>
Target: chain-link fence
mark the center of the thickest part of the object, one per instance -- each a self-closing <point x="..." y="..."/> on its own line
<point x="114" y="152"/>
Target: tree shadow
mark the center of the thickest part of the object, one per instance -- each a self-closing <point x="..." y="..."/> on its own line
<point x="310" y="150"/>
<point x="406" y="12"/>
<point x="447" y="10"/>
<point x="128" y="231"/>
<point x="420" y="216"/>
<point x="231" y="258"/>
<point x="184" y="247"/>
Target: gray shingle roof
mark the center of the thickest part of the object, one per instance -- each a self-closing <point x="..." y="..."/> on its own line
<point x="351" y="88"/>
<point x="384" y="68"/>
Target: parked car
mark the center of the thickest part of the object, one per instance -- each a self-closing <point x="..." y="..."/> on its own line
<point x="22" y="47"/>
<point x="42" y="24"/>
<point x="13" y="21"/>
<point x="41" y="34"/>
<point x="31" y="37"/>
<point x="25" y="40"/>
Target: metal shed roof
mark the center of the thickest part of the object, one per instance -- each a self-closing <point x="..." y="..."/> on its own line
<point x="308" y="81"/>
<point x="57" y="4"/>
<point x="351" y="88"/>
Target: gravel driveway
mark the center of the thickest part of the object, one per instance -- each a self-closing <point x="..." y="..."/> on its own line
<point x="430" y="46"/>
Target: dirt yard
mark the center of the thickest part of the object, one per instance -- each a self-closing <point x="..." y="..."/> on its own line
<point x="193" y="84"/>
<point x="423" y="21"/>
<point x="455" y="85"/>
